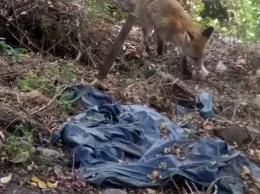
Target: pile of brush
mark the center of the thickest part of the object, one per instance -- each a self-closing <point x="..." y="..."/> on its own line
<point x="57" y="27"/>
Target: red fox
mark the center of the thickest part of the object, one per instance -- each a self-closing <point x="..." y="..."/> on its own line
<point x="172" y="24"/>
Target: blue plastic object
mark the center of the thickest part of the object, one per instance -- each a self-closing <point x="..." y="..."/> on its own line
<point x="206" y="99"/>
<point x="121" y="144"/>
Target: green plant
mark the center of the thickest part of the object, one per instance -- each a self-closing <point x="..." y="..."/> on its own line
<point x="104" y="10"/>
<point x="19" y="145"/>
<point x="240" y="19"/>
<point x="13" y="52"/>
<point x="68" y="72"/>
<point x="30" y="81"/>
<point x="246" y="20"/>
<point x="67" y="100"/>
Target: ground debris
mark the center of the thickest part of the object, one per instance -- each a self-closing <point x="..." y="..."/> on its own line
<point x="234" y="134"/>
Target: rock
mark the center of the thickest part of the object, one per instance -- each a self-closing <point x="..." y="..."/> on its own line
<point x="234" y="134"/>
<point x="114" y="191"/>
<point x="221" y="66"/>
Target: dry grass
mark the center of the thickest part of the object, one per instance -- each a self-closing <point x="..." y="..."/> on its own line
<point x="58" y="27"/>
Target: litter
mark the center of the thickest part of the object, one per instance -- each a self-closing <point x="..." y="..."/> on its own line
<point x="121" y="145"/>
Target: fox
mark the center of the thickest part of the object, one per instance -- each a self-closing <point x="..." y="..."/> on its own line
<point x="170" y="23"/>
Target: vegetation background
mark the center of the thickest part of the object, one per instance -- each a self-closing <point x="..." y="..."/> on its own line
<point x="239" y="19"/>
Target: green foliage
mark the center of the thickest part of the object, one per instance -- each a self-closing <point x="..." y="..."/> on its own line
<point x="44" y="82"/>
<point x="30" y="81"/>
<point x="246" y="20"/>
<point x="243" y="22"/>
<point x="68" y="72"/>
<point x="19" y="145"/>
<point x="13" y="52"/>
<point x="103" y="9"/>
<point x="196" y="15"/>
<point x="67" y="100"/>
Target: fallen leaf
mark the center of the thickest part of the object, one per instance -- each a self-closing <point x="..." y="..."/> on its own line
<point x="6" y="179"/>
<point x="257" y="153"/>
<point x="52" y="185"/>
<point x="41" y="184"/>
<point x="163" y="125"/>
<point x="23" y="13"/>
<point x="33" y="184"/>
<point x="155" y="176"/>
<point x="252" y="152"/>
<point x="35" y="179"/>
<point x="245" y="173"/>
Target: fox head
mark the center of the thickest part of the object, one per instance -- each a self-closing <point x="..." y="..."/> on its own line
<point x="194" y="48"/>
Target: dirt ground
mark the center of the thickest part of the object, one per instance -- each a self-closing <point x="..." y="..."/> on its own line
<point x="155" y="81"/>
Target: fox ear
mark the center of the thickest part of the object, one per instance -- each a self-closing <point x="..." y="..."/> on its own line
<point x="188" y="37"/>
<point x="207" y="32"/>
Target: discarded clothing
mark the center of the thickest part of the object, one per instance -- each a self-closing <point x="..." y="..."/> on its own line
<point x="121" y="145"/>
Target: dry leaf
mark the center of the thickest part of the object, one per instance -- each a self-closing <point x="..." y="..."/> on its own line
<point x="52" y="185"/>
<point x="155" y="176"/>
<point x="33" y="184"/>
<point x="35" y="179"/>
<point x="245" y="173"/>
<point x="41" y="184"/>
<point x="163" y="125"/>
<point x="257" y="153"/>
<point x="6" y="179"/>
<point x="252" y="152"/>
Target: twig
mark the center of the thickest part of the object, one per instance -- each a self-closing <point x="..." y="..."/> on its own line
<point x="20" y="41"/>
<point x="248" y="146"/>
<point x="50" y="102"/>
<point x="73" y="165"/>
<point x="235" y="110"/>
<point x="11" y="123"/>
<point x="58" y="41"/>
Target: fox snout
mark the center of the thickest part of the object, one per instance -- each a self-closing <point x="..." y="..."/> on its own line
<point x="199" y="73"/>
